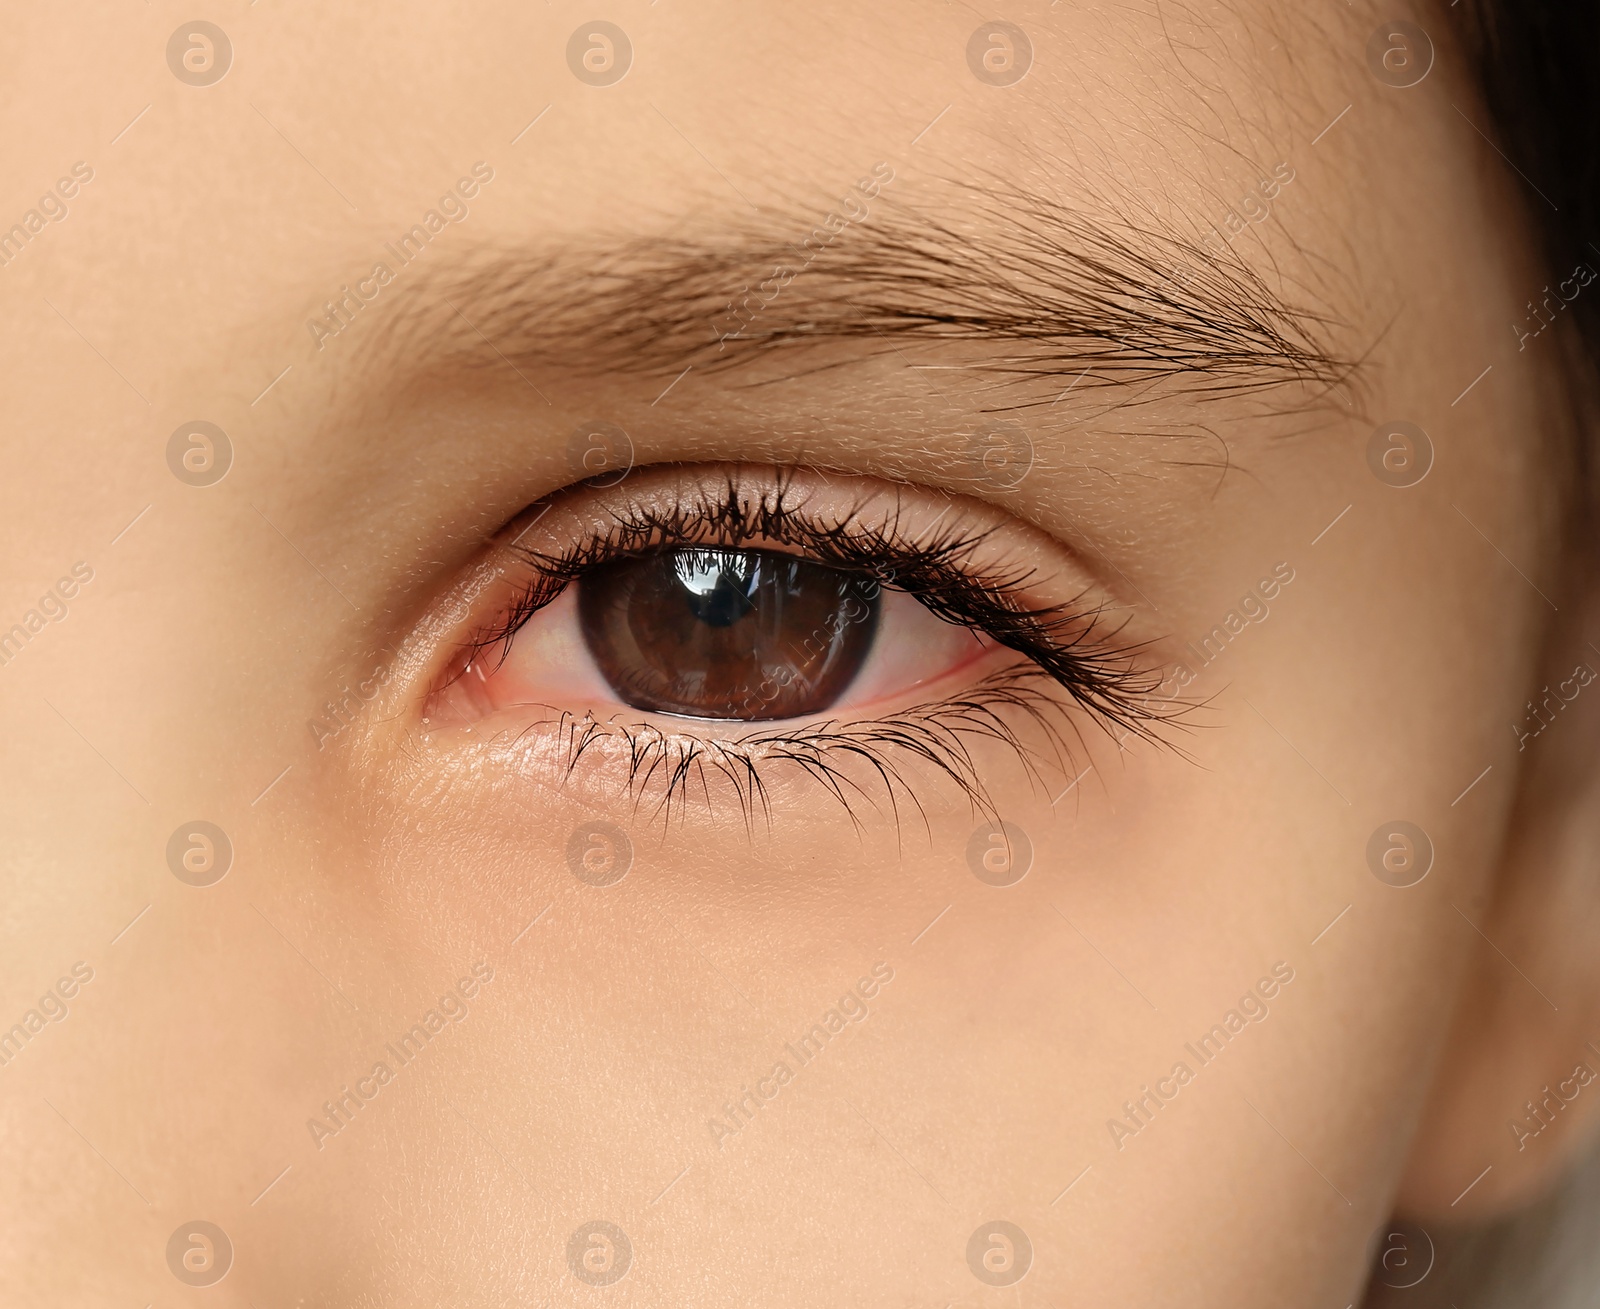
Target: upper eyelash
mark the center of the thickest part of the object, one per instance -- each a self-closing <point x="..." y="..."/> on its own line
<point x="1065" y="643"/>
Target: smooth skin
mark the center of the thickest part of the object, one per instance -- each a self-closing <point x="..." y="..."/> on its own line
<point x="375" y="865"/>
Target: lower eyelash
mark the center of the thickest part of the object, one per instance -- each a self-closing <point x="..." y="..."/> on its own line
<point x="665" y="772"/>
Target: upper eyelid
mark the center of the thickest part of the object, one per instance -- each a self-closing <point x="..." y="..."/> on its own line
<point x="765" y="522"/>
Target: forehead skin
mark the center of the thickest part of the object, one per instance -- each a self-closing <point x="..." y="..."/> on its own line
<point x="218" y="222"/>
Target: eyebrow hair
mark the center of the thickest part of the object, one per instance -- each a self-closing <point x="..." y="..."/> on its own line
<point x="1037" y="288"/>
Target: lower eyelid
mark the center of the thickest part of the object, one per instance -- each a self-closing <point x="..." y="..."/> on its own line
<point x="1013" y="716"/>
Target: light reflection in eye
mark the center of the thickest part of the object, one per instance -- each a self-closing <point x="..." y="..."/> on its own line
<point x="701" y="570"/>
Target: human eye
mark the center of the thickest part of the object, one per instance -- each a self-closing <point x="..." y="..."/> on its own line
<point x="716" y="622"/>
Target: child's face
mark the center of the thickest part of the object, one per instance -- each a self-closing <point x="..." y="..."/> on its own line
<point x="1198" y="354"/>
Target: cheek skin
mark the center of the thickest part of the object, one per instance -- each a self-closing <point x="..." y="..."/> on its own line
<point x="1160" y="892"/>
<point x="1154" y="884"/>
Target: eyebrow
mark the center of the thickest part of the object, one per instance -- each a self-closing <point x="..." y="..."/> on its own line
<point x="1033" y="288"/>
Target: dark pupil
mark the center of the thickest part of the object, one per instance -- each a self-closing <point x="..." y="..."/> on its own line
<point x="718" y="633"/>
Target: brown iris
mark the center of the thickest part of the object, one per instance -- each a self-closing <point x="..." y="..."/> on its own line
<point x="726" y="633"/>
